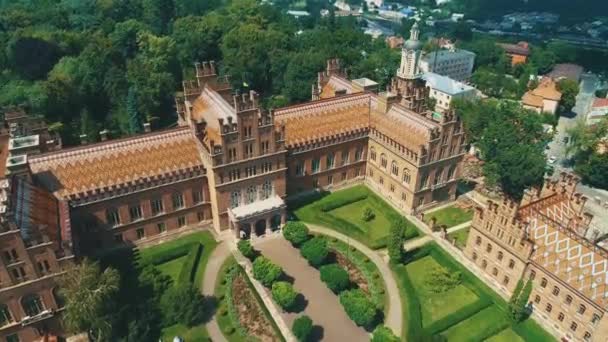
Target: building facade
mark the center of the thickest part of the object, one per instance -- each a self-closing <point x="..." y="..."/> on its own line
<point x="444" y="90"/>
<point x="542" y="238"/>
<point x="456" y="64"/>
<point x="517" y="53"/>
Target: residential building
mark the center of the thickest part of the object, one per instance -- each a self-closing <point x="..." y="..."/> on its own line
<point x="517" y="53"/>
<point x="544" y="98"/>
<point x="455" y="63"/>
<point x="444" y="90"/>
<point x="542" y="239"/>
<point x="599" y="111"/>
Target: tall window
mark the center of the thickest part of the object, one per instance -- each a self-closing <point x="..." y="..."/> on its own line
<point x="543" y="282"/>
<point x="141" y="233"/>
<point x="266" y="189"/>
<point x="248" y="151"/>
<point x="344" y="158"/>
<point x="11" y="256"/>
<point x="424" y="181"/>
<point x="568" y="299"/>
<point x="178" y="201"/>
<point x="372" y="154"/>
<point x="383" y="161"/>
<point x="299" y="169"/>
<point x="157" y="206"/>
<point x="135" y="212"/>
<point x="181" y="221"/>
<point x="555" y="290"/>
<point x="394" y="169"/>
<point x="358" y="154"/>
<point x="197" y="196"/>
<point x="315" y="165"/>
<point x="406" y="176"/>
<point x="264" y="147"/>
<point x="235" y="199"/>
<point x="5" y="315"/>
<point x="251" y="196"/>
<point x="112" y="217"/>
<point x="32" y="305"/>
<point x="581" y="309"/>
<point x="451" y="172"/>
<point x="330" y="160"/>
<point x="438" y="176"/>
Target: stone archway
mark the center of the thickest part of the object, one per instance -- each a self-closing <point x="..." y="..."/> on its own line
<point x="275" y="222"/>
<point x="260" y="227"/>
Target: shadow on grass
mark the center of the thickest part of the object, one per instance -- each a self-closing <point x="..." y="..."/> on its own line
<point x="210" y="306"/>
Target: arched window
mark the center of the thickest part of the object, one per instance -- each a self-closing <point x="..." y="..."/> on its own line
<point x="511" y="263"/>
<point x="474" y="256"/>
<point x="478" y="241"/>
<point x="573" y="326"/>
<point x="595" y="319"/>
<point x="560" y="317"/>
<point x="532" y="275"/>
<point x="383" y="161"/>
<point x="587" y="336"/>
<point x="489" y="248"/>
<point x="549" y="308"/>
<point x="505" y="281"/>
<point x="484" y="264"/>
<point x="235" y="199"/>
<point x="266" y="190"/>
<point x="372" y="154"/>
<point x="581" y="309"/>
<point x="32" y="305"/>
<point x="331" y="158"/>
<point x="251" y="196"/>
<point x="451" y="172"/>
<point x="406" y="176"/>
<point x="543" y="282"/>
<point x="394" y="169"/>
<point x="537" y="299"/>
<point x="5" y="315"/>
<point x="494" y="272"/>
<point x="555" y="290"/>
<point x="500" y="255"/>
<point x="438" y="176"/>
<point x="568" y="299"/>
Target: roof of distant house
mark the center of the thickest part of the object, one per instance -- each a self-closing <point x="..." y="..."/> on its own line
<point x="546" y="90"/>
<point x="440" y="55"/>
<point x="445" y="84"/>
<point x="600" y="102"/>
<point x="521" y="48"/>
<point x="566" y="70"/>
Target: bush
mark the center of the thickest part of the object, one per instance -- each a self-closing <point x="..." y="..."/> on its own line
<point x="383" y="334"/>
<point x="169" y="254"/>
<point x="315" y="251"/>
<point x="284" y="294"/>
<point x="368" y="214"/>
<point x="335" y="277"/>
<point x="246" y="249"/>
<point x="396" y="240"/>
<point x="358" y="307"/>
<point x="302" y="327"/>
<point x="440" y="280"/>
<point x="265" y="271"/>
<point x="182" y="304"/>
<point x="186" y="274"/>
<point x="295" y="232"/>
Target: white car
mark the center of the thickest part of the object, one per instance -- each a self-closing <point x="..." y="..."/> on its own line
<point x="552" y="160"/>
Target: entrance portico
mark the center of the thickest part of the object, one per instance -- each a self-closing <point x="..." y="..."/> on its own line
<point x="258" y="218"/>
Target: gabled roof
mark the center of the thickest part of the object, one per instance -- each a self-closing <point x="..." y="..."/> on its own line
<point x="445" y="84"/>
<point x="118" y="162"/>
<point x="211" y="106"/>
<point x="600" y="103"/>
<point x="404" y="126"/>
<point x="335" y="84"/>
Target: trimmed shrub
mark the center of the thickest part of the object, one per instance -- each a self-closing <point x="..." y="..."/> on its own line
<point x="186" y="274"/>
<point x="315" y="251"/>
<point x="284" y="294"/>
<point x="396" y="240"/>
<point x="335" y="277"/>
<point x="169" y="254"/>
<point x="295" y="232"/>
<point x="301" y="328"/>
<point x="265" y="271"/>
<point x="368" y="214"/>
<point x="182" y="304"/>
<point x="358" y="307"/>
<point x="246" y="249"/>
<point x="383" y="334"/>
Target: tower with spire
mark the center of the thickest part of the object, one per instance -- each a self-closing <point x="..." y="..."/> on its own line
<point x="409" y="84"/>
<point x="410" y="55"/>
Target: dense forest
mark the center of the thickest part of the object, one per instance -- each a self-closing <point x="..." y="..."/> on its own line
<point x="89" y="65"/>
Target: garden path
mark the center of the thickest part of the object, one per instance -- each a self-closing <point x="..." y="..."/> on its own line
<point x="216" y="260"/>
<point x="394" y="314"/>
<point x="460" y="226"/>
<point x="322" y="305"/>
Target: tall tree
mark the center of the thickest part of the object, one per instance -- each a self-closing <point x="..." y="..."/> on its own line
<point x="89" y="299"/>
<point x="569" y="90"/>
<point x="158" y="14"/>
<point x="135" y="118"/>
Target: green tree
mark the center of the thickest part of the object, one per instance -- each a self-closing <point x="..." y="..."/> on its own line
<point x="246" y="249"/>
<point x="396" y="240"/>
<point x="197" y="39"/>
<point x="296" y="232"/>
<point x="302" y="328"/>
<point x="31" y="57"/>
<point x="124" y="37"/>
<point x="518" y="304"/>
<point x="462" y="31"/>
<point x="315" y="251"/>
<point x="358" y="307"/>
<point x="90" y="302"/>
<point x="335" y="277"/>
<point x="158" y="14"/>
<point x="135" y="120"/>
<point x="183" y="304"/>
<point x="569" y="90"/>
<point x="265" y="271"/>
<point x="284" y="294"/>
<point x="300" y="74"/>
<point x="383" y="334"/>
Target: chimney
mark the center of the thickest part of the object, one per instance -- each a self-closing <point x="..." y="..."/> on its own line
<point x="103" y="135"/>
<point x="147" y="127"/>
<point x="83" y="139"/>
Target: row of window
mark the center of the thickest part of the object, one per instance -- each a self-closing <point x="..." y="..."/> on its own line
<point x="499" y="255"/>
<point x="392" y="188"/>
<point x="561" y="317"/>
<point x="32" y="305"/>
<point x="330" y="178"/>
<point x="252" y="193"/>
<point x="157" y="207"/>
<point x="250" y="171"/>
<point x="161" y="227"/>
<point x="330" y="162"/>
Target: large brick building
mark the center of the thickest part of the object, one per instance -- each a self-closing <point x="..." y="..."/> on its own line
<point x="543" y="238"/>
<point x="228" y="165"/>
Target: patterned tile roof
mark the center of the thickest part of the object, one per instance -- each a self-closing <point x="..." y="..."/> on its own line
<point x="325" y="118"/>
<point x="404" y="126"/>
<point x="336" y="83"/>
<point x="118" y="162"/>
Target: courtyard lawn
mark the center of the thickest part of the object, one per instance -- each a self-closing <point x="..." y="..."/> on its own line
<point x="529" y="330"/>
<point x="343" y="211"/>
<point x="197" y="333"/>
<point x="449" y="216"/>
<point x="172" y="267"/>
<point x="507" y="335"/>
<point x="479" y="326"/>
<point x="435" y="306"/>
<point x="460" y="237"/>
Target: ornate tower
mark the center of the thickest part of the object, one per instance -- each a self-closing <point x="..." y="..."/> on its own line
<point x="409" y="83"/>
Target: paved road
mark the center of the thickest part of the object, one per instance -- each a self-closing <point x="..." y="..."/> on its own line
<point x="394" y="312"/>
<point x="321" y="305"/>
<point x="216" y="259"/>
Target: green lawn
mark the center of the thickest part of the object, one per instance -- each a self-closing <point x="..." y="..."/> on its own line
<point x="485" y="322"/>
<point x="194" y="334"/>
<point x="172" y="267"/>
<point x="461" y="237"/>
<point x="529" y="330"/>
<point x="343" y="210"/>
<point x="449" y="216"/>
<point x="507" y="335"/>
<point x="435" y="306"/>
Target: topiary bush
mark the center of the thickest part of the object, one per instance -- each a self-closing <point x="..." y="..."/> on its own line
<point x="301" y="328"/>
<point x="368" y="214"/>
<point x="246" y="249"/>
<point x="296" y="232"/>
<point x="266" y="271"/>
<point x="335" y="277"/>
<point x="383" y="334"/>
<point x="284" y="294"/>
<point x="358" y="307"/>
<point x="315" y="251"/>
<point x="182" y="304"/>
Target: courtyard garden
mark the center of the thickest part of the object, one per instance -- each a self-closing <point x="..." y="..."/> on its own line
<point x="451" y="216"/>
<point x="241" y="314"/>
<point x="460" y="237"/>
<point x="160" y="288"/>
<point x="442" y="298"/>
<point x="356" y="212"/>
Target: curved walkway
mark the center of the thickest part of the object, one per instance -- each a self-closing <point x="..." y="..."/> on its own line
<point x="394" y="314"/>
<point x="216" y="260"/>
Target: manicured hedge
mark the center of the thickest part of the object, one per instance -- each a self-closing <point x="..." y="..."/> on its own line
<point x="411" y="307"/>
<point x="458" y="316"/>
<point x="186" y="274"/>
<point x="265" y="271"/>
<point x="335" y="277"/>
<point x="301" y="328"/>
<point x="315" y="251"/>
<point x="296" y="232"/>
<point x="359" y="307"/>
<point x="529" y="330"/>
<point x="284" y="294"/>
<point x="168" y="254"/>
